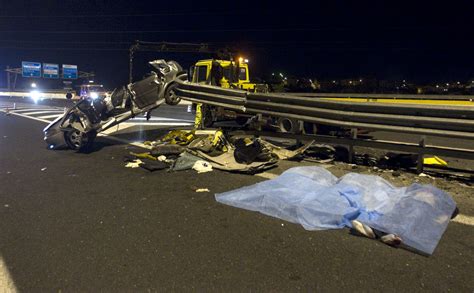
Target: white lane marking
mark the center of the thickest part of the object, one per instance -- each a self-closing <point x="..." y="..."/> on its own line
<point x="463" y="219"/>
<point x="6" y="282"/>
<point x="43" y="112"/>
<point x="34" y="109"/>
<point x="160" y="119"/>
<point x="157" y="123"/>
<point x="50" y="116"/>
<point x="29" y="117"/>
<point x="124" y="141"/>
<point x="117" y="127"/>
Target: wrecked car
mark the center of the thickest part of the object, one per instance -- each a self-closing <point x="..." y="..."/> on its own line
<point x="80" y="124"/>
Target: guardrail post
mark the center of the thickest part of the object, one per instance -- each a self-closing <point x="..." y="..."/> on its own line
<point x="422" y="144"/>
<point x="351" y="147"/>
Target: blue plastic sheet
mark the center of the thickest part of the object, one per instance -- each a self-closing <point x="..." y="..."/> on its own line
<point x="316" y="199"/>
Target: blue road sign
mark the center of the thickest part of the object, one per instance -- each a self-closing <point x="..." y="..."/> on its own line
<point x="30" y="69"/>
<point x="69" y="71"/>
<point x="50" y="70"/>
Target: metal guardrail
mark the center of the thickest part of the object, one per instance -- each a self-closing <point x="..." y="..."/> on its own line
<point x="447" y="121"/>
<point x="26" y="94"/>
<point x="387" y="96"/>
<point x="425" y="120"/>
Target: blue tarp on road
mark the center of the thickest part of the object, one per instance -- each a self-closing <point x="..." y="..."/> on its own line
<point x="316" y="199"/>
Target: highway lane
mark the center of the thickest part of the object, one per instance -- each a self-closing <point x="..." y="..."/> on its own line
<point x="71" y="221"/>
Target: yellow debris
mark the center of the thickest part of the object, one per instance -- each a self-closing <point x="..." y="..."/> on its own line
<point x="435" y="161"/>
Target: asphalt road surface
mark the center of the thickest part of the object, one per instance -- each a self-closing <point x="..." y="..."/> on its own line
<point x="83" y="222"/>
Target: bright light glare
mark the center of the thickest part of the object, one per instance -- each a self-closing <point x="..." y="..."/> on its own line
<point x="94" y="95"/>
<point x="35" y="95"/>
<point x="33" y="85"/>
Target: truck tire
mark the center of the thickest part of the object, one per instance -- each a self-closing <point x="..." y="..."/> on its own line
<point x="290" y="125"/>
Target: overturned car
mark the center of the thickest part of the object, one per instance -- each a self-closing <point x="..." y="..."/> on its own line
<point x="80" y="124"/>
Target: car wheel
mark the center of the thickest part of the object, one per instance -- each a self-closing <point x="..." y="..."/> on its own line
<point x="170" y="95"/>
<point x="78" y="140"/>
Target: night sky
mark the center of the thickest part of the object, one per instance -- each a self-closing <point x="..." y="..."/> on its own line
<point x="421" y="41"/>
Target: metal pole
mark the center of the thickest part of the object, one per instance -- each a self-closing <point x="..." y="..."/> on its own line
<point x="14" y="82"/>
<point x="8" y="78"/>
<point x="351" y="147"/>
<point x="419" y="166"/>
<point x="130" y="76"/>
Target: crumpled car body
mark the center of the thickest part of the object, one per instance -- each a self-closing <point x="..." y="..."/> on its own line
<point x="80" y="124"/>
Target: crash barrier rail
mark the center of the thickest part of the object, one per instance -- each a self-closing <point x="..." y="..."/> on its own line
<point x="451" y="97"/>
<point x="44" y="95"/>
<point x="212" y="95"/>
<point x="425" y="120"/>
<point x="447" y="121"/>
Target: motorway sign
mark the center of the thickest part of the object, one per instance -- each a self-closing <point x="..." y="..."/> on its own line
<point x="69" y="71"/>
<point x="50" y="70"/>
<point x="30" y="69"/>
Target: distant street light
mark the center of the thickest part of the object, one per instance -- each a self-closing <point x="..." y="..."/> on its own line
<point x="33" y="85"/>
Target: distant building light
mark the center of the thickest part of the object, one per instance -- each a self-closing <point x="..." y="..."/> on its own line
<point x="91" y="81"/>
<point x="437" y="86"/>
<point x="360" y="80"/>
<point x="333" y="81"/>
<point x="447" y="84"/>
<point x="458" y="82"/>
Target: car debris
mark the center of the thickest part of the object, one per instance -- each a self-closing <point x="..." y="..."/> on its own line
<point x="203" y="190"/>
<point x="133" y="164"/>
<point x="80" y="124"/>
<point x="204" y="151"/>
<point x="153" y="165"/>
<point x="202" y="166"/>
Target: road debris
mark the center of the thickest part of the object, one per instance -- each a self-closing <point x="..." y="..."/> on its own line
<point x="318" y="200"/>
<point x="134" y="164"/>
<point x="181" y="149"/>
<point x="202" y="166"/>
<point x="202" y="190"/>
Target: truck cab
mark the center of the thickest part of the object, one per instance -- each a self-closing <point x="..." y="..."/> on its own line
<point x="223" y="73"/>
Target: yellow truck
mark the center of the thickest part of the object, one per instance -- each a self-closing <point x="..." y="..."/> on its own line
<point x="225" y="73"/>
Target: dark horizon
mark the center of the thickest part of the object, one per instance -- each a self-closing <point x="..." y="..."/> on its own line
<point x="417" y="42"/>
